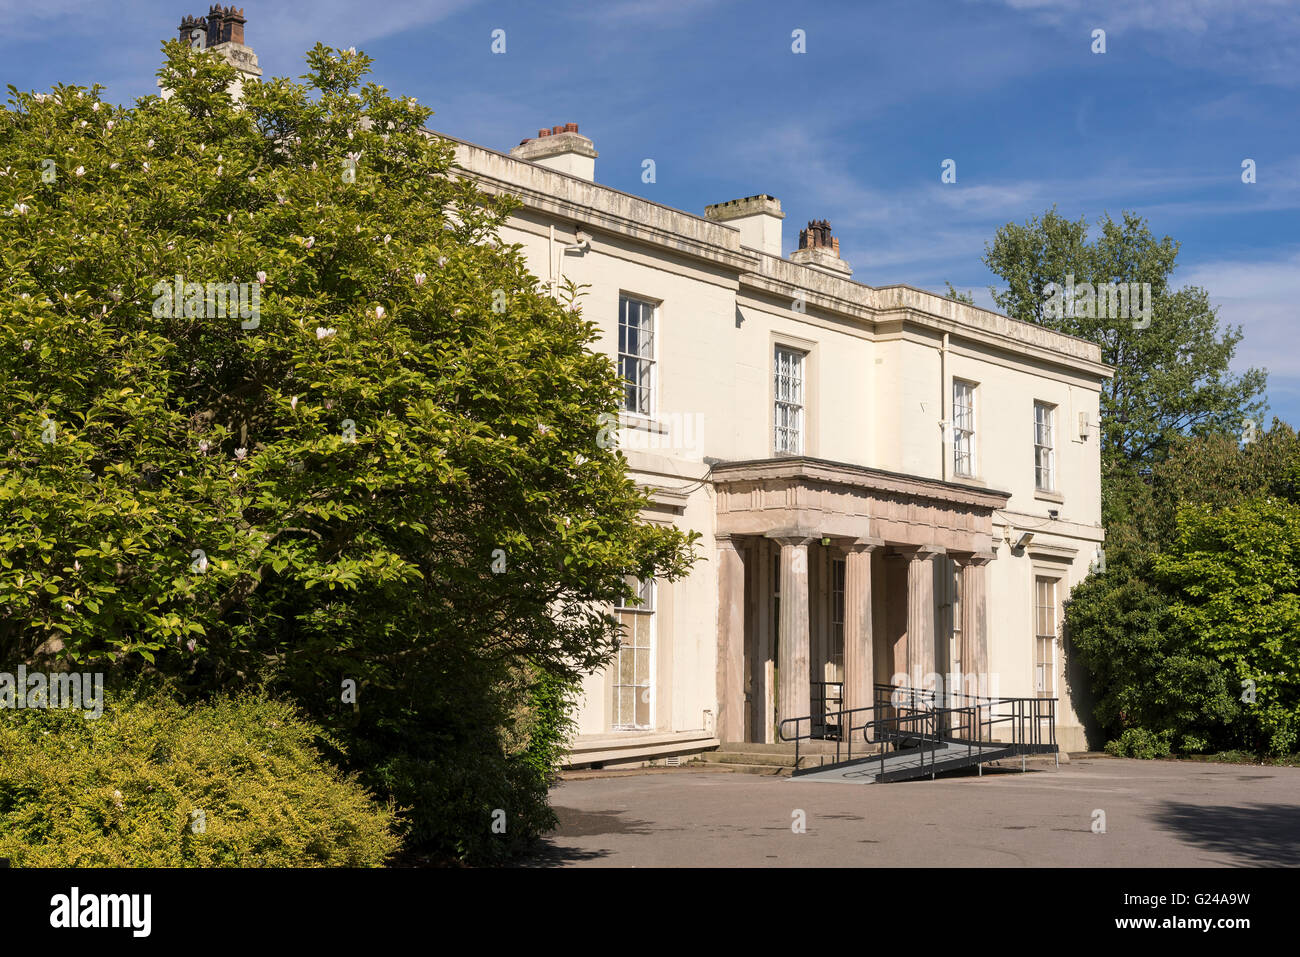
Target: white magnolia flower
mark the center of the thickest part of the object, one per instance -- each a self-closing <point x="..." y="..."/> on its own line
<point x="543" y="428"/>
<point x="145" y="167"/>
<point x="379" y="312"/>
<point x="280" y="199"/>
<point x="419" y="279"/>
<point x="218" y="169"/>
<point x="191" y="644"/>
<point x="84" y="123"/>
<point x="114" y="165"/>
<point x="323" y="333"/>
<point x="27" y="345"/>
<point x="241" y="454"/>
<point x="150" y="144"/>
<point x="293" y="403"/>
<point x="329" y="404"/>
<point x="261" y="276"/>
<point x="388" y="238"/>
<point x="95" y="107"/>
<point x="76" y="566"/>
<point x="22" y="209"/>
<point x="79" y="171"/>
<point x="109" y="124"/>
<point x="442" y="260"/>
<point x="311" y="241"/>
<point x="203" y="447"/>
<point x="230" y="217"/>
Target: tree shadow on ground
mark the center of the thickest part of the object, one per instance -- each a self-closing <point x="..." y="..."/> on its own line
<point x="554" y="852"/>
<point x="1261" y="834"/>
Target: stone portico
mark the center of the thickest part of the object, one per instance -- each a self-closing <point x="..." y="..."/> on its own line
<point x="787" y="612"/>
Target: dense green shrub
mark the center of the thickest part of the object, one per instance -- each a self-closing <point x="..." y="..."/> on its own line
<point x="1139" y="743"/>
<point x="234" y="782"/>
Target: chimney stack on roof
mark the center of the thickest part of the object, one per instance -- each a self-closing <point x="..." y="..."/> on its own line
<point x="757" y="217"/>
<point x="222" y="30"/>
<point x="561" y="148"/>
<point x="819" y="249"/>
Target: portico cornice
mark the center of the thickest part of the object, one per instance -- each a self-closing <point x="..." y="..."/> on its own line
<point x="805" y="469"/>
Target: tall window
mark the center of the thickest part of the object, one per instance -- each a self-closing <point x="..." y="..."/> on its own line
<point x="788" y="381"/>
<point x="632" y="686"/>
<point x="636" y="354"/>
<point x="837" y="620"/>
<point x="1044" y="477"/>
<point x="955" y="662"/>
<point x="1045" y="637"/>
<point x="963" y="428"/>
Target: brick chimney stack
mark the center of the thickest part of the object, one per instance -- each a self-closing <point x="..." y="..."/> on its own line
<point x="189" y="25"/>
<point x="560" y="148"/>
<point x="225" y="25"/>
<point x="222" y="31"/>
<point x="819" y="249"/>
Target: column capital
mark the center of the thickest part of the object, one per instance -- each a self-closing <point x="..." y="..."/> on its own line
<point x="865" y="544"/>
<point x="917" y="552"/>
<point x="726" y="540"/>
<point x="976" y="559"/>
<point x="793" y="536"/>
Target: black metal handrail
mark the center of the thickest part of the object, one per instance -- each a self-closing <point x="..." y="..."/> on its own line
<point x="908" y="716"/>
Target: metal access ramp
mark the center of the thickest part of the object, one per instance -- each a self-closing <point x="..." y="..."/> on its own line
<point x="906" y="734"/>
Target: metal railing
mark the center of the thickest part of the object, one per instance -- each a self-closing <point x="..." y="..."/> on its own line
<point x="827" y="704"/>
<point x="909" y="719"/>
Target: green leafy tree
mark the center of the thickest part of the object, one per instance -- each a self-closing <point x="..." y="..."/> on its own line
<point x="1235" y="578"/>
<point x="384" y="486"/>
<point x="1171" y="376"/>
<point x="1197" y="597"/>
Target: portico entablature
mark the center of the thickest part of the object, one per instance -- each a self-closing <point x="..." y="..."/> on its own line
<point x="839" y="501"/>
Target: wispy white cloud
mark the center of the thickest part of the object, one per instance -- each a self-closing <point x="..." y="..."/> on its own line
<point x="1262" y="295"/>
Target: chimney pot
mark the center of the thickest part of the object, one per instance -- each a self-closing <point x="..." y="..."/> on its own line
<point x="543" y="132"/>
<point x="570" y="127"/>
<point x="557" y="129"/>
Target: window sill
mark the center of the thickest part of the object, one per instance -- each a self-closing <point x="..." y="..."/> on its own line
<point x="1044" y="495"/>
<point x="645" y="423"/>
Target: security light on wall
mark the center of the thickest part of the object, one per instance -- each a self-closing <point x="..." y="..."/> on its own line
<point x="1024" y="539"/>
<point x="582" y="243"/>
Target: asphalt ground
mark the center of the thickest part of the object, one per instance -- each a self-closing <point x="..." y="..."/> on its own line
<point x="1092" y="812"/>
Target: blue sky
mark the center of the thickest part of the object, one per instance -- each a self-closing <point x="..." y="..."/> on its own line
<point x="854" y="130"/>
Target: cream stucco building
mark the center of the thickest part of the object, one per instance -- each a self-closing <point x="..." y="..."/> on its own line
<point x="890" y="485"/>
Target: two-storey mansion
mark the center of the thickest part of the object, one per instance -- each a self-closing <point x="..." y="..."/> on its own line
<point x="892" y="486"/>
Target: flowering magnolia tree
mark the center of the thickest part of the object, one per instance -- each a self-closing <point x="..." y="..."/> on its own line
<point x="277" y="406"/>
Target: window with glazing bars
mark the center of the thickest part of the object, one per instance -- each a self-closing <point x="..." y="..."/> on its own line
<point x="1043" y="446"/>
<point x="632" y="670"/>
<point x="636" y="354"/>
<point x="788" y="389"/>
<point x="1045" y="637"/>
<point x="963" y="428"/>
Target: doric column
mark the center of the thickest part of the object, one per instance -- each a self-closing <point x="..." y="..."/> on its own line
<point x="974" y="619"/>
<point x="730" y="725"/>
<point x="793" y="692"/>
<point x="921" y="661"/>
<point x="859" y="661"/>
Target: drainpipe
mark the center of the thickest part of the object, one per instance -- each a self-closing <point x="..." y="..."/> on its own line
<point x="945" y="401"/>
<point x="555" y="280"/>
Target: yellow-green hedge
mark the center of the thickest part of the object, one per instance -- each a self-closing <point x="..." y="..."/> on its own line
<point x="124" y="790"/>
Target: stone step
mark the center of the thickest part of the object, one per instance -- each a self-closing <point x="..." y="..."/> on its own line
<point x="805" y="747"/>
<point x="760" y="758"/>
